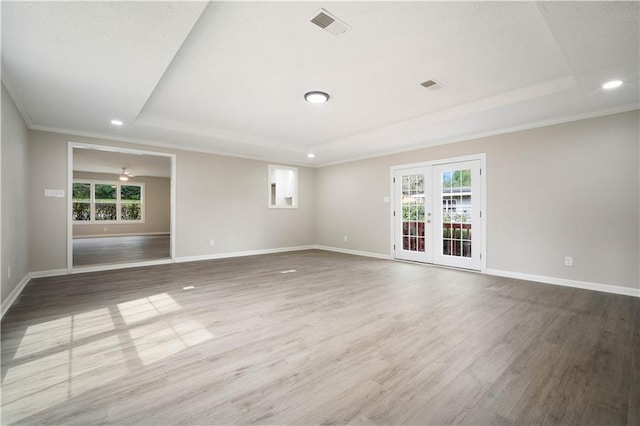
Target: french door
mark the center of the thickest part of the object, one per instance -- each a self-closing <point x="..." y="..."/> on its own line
<point x="412" y="214"/>
<point x="437" y="214"/>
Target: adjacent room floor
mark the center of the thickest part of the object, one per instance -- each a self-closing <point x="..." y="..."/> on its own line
<point x="97" y="251"/>
<point x="317" y="337"/>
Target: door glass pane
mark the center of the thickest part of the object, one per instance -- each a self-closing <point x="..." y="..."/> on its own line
<point x="413" y="215"/>
<point x="456" y="213"/>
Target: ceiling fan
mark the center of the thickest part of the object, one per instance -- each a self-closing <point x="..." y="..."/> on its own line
<point x="125" y="175"/>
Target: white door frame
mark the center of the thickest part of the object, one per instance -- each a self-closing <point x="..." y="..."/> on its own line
<point x="483" y="198"/>
<point x="172" y="237"/>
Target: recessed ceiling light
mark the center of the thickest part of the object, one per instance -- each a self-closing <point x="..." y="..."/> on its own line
<point x="316" y="97"/>
<point x="311" y="155"/>
<point x="117" y="122"/>
<point x="612" y="84"/>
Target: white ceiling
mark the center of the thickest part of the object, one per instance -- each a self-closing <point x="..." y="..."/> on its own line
<point x="112" y="162"/>
<point x="229" y="77"/>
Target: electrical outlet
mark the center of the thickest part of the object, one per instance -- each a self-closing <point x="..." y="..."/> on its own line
<point x="345" y="239"/>
<point x="212" y="242"/>
<point x="568" y="261"/>
<point x="9" y="271"/>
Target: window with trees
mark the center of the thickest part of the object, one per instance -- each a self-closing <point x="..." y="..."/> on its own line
<point x="99" y="201"/>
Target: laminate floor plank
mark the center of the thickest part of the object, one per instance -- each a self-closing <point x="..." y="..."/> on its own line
<point x="123" y="249"/>
<point x="342" y="340"/>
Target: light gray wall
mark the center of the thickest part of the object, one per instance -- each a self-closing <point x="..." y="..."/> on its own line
<point x="570" y="189"/>
<point x="226" y="199"/>
<point x="565" y="190"/>
<point x="217" y="197"/>
<point x="157" y="213"/>
<point x="15" y="251"/>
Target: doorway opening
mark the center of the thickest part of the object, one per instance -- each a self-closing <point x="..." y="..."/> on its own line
<point x="121" y="209"/>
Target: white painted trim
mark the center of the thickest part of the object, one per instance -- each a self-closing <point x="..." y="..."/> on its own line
<point x="48" y="273"/>
<point x="481" y="135"/>
<point x="354" y="252"/>
<point x="70" y="147"/>
<point x="168" y="146"/>
<point x="483" y="206"/>
<point x="132" y="234"/>
<point x="440" y="161"/>
<point x="392" y="218"/>
<point x="585" y="285"/>
<point x="606" y="288"/>
<point x="11" y="298"/>
<point x="110" y="148"/>
<point x="191" y="148"/>
<point x="8" y="80"/>
<point x="241" y="253"/>
<point x="172" y="157"/>
<point x="112" y="266"/>
<point x="173" y="207"/>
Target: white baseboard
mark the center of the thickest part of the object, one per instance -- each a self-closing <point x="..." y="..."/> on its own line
<point x="241" y="254"/>
<point x="133" y="234"/>
<point x="354" y="252"/>
<point x="606" y="288"/>
<point x="112" y="266"/>
<point x="49" y="273"/>
<point x="6" y="303"/>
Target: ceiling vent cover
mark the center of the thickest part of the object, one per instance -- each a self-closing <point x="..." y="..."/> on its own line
<point x="329" y="23"/>
<point x="431" y="85"/>
<point x="323" y="20"/>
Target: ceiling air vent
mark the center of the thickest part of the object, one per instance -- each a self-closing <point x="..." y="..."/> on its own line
<point x="431" y="85"/>
<point x="329" y="23"/>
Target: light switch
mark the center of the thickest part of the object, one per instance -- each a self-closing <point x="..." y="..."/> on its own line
<point x="58" y="193"/>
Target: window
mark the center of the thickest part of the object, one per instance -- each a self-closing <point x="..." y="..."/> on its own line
<point x="283" y="187"/>
<point x="99" y="201"/>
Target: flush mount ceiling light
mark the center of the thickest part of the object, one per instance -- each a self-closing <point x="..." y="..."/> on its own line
<point x="612" y="84"/>
<point x="311" y="155"/>
<point x="117" y="122"/>
<point x="316" y="97"/>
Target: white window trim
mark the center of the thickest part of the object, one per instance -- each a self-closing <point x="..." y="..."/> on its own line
<point x="294" y="196"/>
<point x="92" y="220"/>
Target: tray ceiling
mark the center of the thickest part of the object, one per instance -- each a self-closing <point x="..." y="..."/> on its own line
<point x="229" y="77"/>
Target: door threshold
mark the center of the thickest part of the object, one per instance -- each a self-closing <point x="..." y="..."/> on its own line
<point x="437" y="265"/>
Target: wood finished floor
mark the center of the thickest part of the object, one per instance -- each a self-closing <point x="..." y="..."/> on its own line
<point x="343" y="339"/>
<point x="103" y="250"/>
